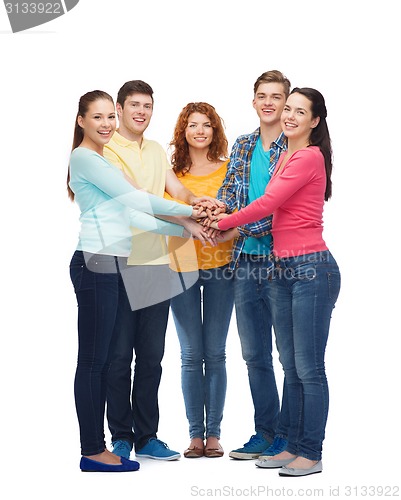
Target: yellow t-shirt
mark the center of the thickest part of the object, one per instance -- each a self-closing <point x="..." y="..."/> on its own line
<point x="182" y="255"/>
<point x="147" y="165"/>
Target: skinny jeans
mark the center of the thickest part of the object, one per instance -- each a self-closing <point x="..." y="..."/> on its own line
<point x="303" y="293"/>
<point x="99" y="290"/>
<point x="202" y="317"/>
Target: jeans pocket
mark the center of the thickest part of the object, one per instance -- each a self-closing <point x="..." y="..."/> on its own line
<point x="334" y="282"/>
<point x="306" y="271"/>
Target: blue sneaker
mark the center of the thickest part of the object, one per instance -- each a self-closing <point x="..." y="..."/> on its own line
<point x="122" y="448"/>
<point x="278" y="445"/>
<point x="252" y="449"/>
<point x="158" y="450"/>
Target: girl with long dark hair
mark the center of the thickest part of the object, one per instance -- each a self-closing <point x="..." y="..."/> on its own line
<point x="306" y="279"/>
<point x="109" y="205"/>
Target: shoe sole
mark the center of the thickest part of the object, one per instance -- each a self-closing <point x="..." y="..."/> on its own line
<point x="244" y="456"/>
<point x="172" y="457"/>
<point x="301" y="474"/>
<point x="112" y="471"/>
<point x="272" y="464"/>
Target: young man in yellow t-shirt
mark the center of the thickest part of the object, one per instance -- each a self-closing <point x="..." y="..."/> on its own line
<point x="132" y="406"/>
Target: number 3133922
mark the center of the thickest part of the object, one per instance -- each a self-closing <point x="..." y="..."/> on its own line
<point x="34" y="8"/>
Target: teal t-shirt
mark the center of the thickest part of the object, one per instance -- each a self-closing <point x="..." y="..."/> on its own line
<point x="259" y="177"/>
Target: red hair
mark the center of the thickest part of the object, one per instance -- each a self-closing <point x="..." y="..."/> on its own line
<point x="218" y="149"/>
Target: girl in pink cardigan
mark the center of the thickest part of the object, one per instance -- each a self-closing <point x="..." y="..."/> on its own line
<point x="306" y="279"/>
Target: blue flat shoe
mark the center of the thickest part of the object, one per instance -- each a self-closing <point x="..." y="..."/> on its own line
<point x="89" y="465"/>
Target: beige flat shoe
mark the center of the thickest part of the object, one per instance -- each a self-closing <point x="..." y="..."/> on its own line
<point x="214" y="452"/>
<point x="193" y="452"/>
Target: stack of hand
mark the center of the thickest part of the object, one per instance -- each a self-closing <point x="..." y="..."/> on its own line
<point x="206" y="214"/>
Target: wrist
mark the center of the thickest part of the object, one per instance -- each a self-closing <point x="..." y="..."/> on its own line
<point x="192" y="199"/>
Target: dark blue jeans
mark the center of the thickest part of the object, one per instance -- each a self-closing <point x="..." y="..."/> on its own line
<point x="132" y="402"/>
<point x="303" y="293"/>
<point x="99" y="290"/>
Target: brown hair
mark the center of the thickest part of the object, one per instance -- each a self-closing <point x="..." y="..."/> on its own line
<point x="218" y="148"/>
<point x="84" y="102"/>
<point x="273" y="76"/>
<point x="133" y="87"/>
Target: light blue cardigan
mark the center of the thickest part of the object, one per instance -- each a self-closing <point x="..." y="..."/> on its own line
<point x="109" y="205"/>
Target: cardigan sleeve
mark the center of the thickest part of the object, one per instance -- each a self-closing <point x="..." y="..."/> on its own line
<point x="148" y="223"/>
<point x="109" y="179"/>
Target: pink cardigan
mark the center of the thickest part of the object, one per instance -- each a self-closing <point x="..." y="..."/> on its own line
<point x="295" y="197"/>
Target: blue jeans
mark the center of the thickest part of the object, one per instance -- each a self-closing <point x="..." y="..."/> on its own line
<point x="99" y="290"/>
<point x="303" y="293"/>
<point x="252" y="285"/>
<point x="132" y="402"/>
<point x="202" y="317"/>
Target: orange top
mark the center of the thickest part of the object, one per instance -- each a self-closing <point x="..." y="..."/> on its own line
<point x="188" y="254"/>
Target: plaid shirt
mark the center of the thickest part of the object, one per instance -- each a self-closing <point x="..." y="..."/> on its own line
<point x="235" y="188"/>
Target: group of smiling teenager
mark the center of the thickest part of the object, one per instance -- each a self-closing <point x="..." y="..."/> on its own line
<point x="198" y="235"/>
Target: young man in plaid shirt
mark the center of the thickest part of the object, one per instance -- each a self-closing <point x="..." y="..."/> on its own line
<point x="252" y="162"/>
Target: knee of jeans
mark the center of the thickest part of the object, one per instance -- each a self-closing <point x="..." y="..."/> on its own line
<point x="291" y="376"/>
<point x="257" y="362"/>
<point x="191" y="359"/>
<point x="189" y="366"/>
<point x="254" y="356"/>
<point x="121" y="359"/>
<point x="87" y="364"/>
<point x="215" y="360"/>
<point x="311" y="374"/>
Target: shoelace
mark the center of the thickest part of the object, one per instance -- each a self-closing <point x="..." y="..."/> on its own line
<point x="122" y="445"/>
<point x="160" y="442"/>
<point x="254" y="440"/>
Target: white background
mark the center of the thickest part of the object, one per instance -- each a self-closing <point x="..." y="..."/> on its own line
<point x="188" y="51"/>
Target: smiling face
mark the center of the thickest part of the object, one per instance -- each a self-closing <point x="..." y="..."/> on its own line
<point x="269" y="102"/>
<point x="98" y="124"/>
<point x="134" y="116"/>
<point x="199" y="131"/>
<point x="297" y="120"/>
